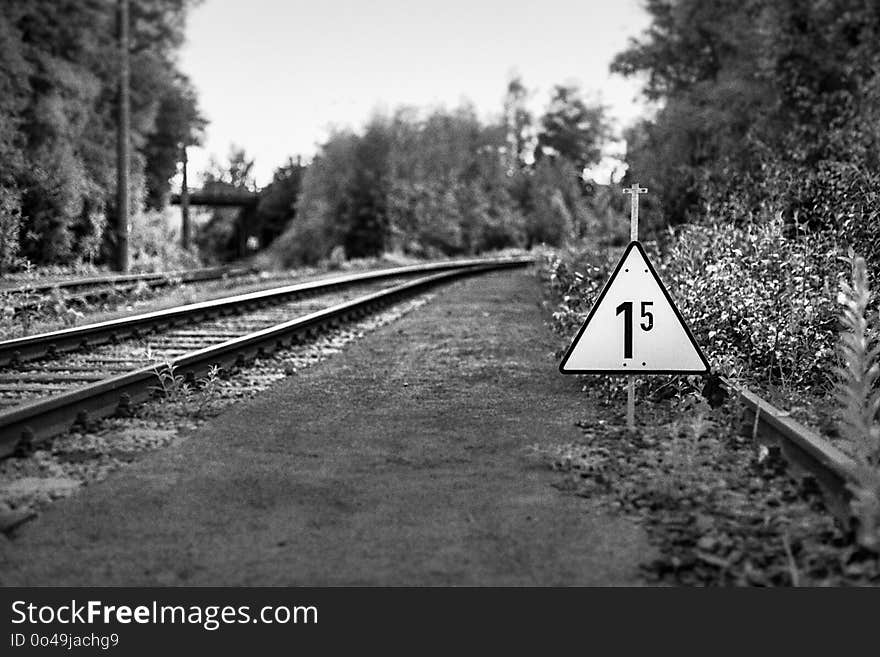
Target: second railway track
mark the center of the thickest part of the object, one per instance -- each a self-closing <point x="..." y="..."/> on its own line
<point x="30" y="296"/>
<point x="51" y="381"/>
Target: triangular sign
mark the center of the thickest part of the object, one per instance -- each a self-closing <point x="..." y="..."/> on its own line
<point x="634" y="327"/>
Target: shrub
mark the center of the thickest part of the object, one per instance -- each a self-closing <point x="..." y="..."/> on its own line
<point x="857" y="391"/>
<point x="557" y="211"/>
<point x="155" y="245"/>
<point x="10" y="225"/>
<point x="756" y="300"/>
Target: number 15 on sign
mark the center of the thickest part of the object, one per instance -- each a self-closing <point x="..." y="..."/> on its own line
<point x="627" y="309"/>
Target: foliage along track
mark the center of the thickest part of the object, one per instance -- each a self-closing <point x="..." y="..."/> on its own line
<point x="721" y="509"/>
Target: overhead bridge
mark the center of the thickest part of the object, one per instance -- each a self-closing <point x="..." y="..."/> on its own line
<point x="244" y="200"/>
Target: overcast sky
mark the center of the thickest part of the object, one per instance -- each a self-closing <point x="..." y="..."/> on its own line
<point x="274" y="75"/>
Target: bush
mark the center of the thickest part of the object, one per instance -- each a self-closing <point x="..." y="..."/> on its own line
<point x="155" y="245"/>
<point x="10" y="225"/>
<point x="756" y="300"/>
<point x="856" y="389"/>
<point x="557" y="211"/>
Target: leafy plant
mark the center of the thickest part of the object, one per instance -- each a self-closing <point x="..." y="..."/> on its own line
<point x="57" y="121"/>
<point x="28" y="303"/>
<point x="183" y="397"/>
<point x="10" y="226"/>
<point x="857" y="391"/>
<point x="756" y="299"/>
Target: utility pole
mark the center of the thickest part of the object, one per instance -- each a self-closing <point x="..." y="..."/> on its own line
<point x="122" y="141"/>
<point x="184" y="205"/>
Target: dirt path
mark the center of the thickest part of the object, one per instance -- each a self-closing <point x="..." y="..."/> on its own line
<point x="399" y="461"/>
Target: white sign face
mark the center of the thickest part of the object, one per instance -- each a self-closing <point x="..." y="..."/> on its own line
<point x="634" y="327"/>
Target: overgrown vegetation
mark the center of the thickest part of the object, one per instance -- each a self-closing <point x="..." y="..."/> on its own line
<point x="859" y="397"/>
<point x="764" y="152"/>
<point x="192" y="397"/>
<point x="765" y="107"/>
<point x="755" y="300"/>
<point x="766" y="308"/>
<point x="717" y="513"/>
<point x="58" y="103"/>
<point x="417" y="182"/>
<point x="762" y="165"/>
<point x="445" y="183"/>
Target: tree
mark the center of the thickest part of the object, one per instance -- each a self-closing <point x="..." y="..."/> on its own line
<point x="765" y="106"/>
<point x="705" y="68"/>
<point x="57" y="115"/>
<point x="221" y="236"/>
<point x="277" y="206"/>
<point x="178" y="124"/>
<point x="572" y="129"/>
<point x="558" y="210"/>
<point x="365" y="210"/>
<point x="428" y="185"/>
<point x="518" y="123"/>
<point x="318" y="226"/>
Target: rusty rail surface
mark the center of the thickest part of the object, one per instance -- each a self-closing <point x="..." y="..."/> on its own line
<point x="833" y="470"/>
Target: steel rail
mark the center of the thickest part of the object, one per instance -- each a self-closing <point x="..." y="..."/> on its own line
<point x="30" y="423"/>
<point x="833" y="470"/>
<point x="153" y="279"/>
<point x="29" y="347"/>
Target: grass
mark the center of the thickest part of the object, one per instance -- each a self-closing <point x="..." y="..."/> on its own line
<point x="799" y="324"/>
<point x="194" y="398"/>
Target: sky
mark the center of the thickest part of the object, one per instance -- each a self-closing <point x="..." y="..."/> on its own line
<point x="274" y="76"/>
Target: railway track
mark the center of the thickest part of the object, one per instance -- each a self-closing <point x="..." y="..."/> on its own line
<point x="804" y="449"/>
<point x="53" y="381"/>
<point x="95" y="288"/>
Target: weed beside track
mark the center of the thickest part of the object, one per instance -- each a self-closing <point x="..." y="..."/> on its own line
<point x="721" y="510"/>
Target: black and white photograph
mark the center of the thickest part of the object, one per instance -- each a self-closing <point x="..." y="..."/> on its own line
<point x="432" y="294"/>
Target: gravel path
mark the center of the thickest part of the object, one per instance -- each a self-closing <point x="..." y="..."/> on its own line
<point x="404" y="459"/>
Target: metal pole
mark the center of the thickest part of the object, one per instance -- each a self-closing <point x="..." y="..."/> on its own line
<point x="184" y="207"/>
<point x="630" y="382"/>
<point x="122" y="143"/>
<point x="634" y="191"/>
<point x="634" y="215"/>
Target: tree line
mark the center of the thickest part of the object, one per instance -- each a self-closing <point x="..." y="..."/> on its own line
<point x="58" y="104"/>
<point x="425" y="182"/>
<point x="444" y="182"/>
<point x="763" y="108"/>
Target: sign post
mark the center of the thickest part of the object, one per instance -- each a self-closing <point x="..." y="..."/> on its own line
<point x="634" y="327"/>
<point x="634" y="192"/>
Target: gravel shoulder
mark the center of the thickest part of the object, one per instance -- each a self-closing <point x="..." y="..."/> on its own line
<point x="402" y="460"/>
